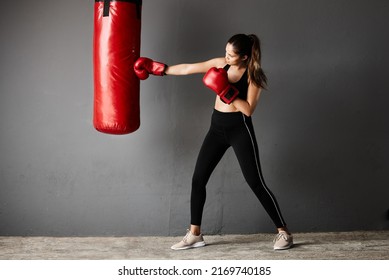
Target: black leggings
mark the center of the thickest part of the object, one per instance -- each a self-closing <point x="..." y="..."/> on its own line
<point x="236" y="130"/>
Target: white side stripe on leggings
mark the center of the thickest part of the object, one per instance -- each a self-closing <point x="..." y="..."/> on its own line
<point x="259" y="173"/>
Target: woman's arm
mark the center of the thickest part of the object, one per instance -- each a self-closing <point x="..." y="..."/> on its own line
<point x="193" y="68"/>
<point x="248" y="106"/>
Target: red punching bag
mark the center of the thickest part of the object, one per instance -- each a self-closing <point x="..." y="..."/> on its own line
<point x="116" y="46"/>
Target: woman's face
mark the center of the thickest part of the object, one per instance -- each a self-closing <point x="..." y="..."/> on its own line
<point x="233" y="58"/>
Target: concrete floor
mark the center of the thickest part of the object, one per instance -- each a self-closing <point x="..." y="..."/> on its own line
<point x="361" y="245"/>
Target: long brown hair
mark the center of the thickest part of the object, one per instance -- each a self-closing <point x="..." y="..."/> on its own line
<point x="250" y="45"/>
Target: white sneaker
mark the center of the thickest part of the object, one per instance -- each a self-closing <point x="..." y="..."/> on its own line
<point x="190" y="241"/>
<point x="283" y="241"/>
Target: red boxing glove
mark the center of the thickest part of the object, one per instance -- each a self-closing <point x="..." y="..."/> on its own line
<point x="145" y="66"/>
<point x="217" y="80"/>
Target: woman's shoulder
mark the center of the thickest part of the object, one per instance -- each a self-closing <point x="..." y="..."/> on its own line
<point x="218" y="62"/>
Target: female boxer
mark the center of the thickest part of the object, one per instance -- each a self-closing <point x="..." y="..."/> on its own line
<point x="238" y="80"/>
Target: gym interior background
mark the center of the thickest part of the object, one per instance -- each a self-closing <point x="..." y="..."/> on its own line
<point x="321" y="126"/>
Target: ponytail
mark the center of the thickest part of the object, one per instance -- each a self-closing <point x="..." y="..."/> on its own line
<point x="255" y="71"/>
<point x="250" y="46"/>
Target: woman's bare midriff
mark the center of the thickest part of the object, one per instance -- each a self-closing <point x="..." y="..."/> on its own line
<point x="223" y="107"/>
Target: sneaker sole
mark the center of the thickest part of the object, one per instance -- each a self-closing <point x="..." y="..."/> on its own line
<point x="195" y="245"/>
<point x="283" y="248"/>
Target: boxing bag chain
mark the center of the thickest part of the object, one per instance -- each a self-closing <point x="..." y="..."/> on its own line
<point x="116" y="47"/>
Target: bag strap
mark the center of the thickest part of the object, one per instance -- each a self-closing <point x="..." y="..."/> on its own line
<point x="106" y="6"/>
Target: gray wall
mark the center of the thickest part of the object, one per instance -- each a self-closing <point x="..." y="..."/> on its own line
<point x="321" y="127"/>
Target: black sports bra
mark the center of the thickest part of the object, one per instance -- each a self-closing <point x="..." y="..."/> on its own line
<point x="242" y="85"/>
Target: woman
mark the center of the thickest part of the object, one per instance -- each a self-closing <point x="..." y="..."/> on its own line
<point x="238" y="80"/>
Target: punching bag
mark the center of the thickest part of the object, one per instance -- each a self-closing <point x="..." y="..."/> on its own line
<point x="116" y="46"/>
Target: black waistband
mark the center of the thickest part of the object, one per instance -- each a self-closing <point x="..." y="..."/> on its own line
<point x="229" y="118"/>
<point x="226" y="114"/>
